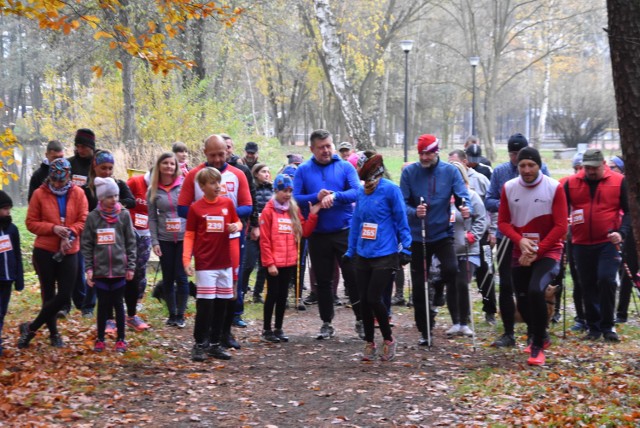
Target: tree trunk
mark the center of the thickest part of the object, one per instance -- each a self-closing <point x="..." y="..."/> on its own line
<point x="544" y="107"/>
<point x="337" y="74"/>
<point x="624" y="31"/>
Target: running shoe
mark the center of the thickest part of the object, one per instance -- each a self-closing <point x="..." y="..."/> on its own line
<point x="137" y="323"/>
<point x="370" y="352"/>
<point x="389" y="350"/>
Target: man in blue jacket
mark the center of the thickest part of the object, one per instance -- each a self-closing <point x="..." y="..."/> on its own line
<point x="327" y="179"/>
<point x="427" y="187"/>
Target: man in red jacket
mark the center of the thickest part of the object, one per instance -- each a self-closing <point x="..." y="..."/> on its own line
<point x="596" y="196"/>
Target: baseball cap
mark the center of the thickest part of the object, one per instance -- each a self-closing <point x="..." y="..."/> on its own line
<point x="251" y="147"/>
<point x="592" y="157"/>
<point x="474" y="152"/>
<point x="344" y="146"/>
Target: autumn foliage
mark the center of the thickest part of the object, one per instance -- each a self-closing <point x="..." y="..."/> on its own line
<point x="149" y="45"/>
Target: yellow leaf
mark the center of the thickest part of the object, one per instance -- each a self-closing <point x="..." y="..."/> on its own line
<point x="101" y="34"/>
<point x="152" y="26"/>
<point x="119" y="65"/>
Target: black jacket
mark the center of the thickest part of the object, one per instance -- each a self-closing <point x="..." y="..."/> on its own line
<point x="38" y="177"/>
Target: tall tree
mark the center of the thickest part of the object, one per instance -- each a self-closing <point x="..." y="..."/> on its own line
<point x="337" y="74"/>
<point x="624" y="34"/>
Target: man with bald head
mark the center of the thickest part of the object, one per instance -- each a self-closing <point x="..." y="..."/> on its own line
<point x="233" y="185"/>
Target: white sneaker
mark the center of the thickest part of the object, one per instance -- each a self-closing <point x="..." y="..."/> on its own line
<point x="455" y="329"/>
<point x="465" y="331"/>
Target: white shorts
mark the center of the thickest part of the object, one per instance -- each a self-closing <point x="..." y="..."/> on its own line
<point x="214" y="284"/>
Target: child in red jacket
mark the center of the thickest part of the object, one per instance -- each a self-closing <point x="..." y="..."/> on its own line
<point x="281" y="228"/>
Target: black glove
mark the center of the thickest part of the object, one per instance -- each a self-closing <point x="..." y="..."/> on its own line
<point x="405" y="259"/>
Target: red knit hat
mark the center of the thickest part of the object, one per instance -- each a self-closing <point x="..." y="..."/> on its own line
<point x="428" y="143"/>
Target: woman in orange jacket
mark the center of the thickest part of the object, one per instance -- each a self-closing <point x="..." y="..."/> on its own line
<point x="56" y="215"/>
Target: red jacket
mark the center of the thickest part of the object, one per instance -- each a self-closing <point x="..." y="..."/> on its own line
<point x="139" y="213"/>
<point x="277" y="241"/>
<point x="592" y="218"/>
<point x="43" y="214"/>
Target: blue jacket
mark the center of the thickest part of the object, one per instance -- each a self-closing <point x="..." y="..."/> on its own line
<point x="11" y="260"/>
<point x="385" y="209"/>
<point x="436" y="185"/>
<point x="338" y="176"/>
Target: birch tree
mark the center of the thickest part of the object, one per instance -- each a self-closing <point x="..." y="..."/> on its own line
<point x="337" y="74"/>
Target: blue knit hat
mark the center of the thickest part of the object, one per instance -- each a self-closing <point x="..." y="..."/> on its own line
<point x="282" y="182"/>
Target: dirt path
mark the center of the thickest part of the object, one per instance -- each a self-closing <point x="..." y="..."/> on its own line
<point x="305" y="382"/>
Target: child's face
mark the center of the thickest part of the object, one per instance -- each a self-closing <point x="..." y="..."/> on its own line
<point x="5" y="212"/>
<point x="263" y="175"/>
<point x="182" y="156"/>
<point x="110" y="201"/>
<point x="104" y="170"/>
<point x="283" y="196"/>
<point x="211" y="190"/>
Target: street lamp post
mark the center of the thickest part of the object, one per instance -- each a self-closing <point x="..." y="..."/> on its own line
<point x="474" y="61"/>
<point x="406" y="46"/>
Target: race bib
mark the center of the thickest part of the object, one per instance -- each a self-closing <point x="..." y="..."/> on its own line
<point x="535" y="237"/>
<point x="79" y="180"/>
<point x="284" y="225"/>
<point x="173" y="225"/>
<point x="5" y="244"/>
<point x="577" y="217"/>
<point x="369" y="231"/>
<point x="215" y="223"/>
<point x="141" y="221"/>
<point x="106" y="236"/>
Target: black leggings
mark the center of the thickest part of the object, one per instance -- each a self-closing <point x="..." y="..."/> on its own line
<point x="209" y="313"/>
<point x="277" y="291"/>
<point x="52" y="273"/>
<point x="505" y="298"/>
<point x="530" y="283"/>
<point x="109" y="301"/>
<point x="373" y="277"/>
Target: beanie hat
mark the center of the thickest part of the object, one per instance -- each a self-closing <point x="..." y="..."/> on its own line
<point x="530" y="153"/>
<point x="577" y="160"/>
<point x="295" y="158"/>
<point x="59" y="169"/>
<point x="428" y="143"/>
<point x="103" y="156"/>
<point x="290" y="170"/>
<point x="5" y="200"/>
<point x="517" y="142"/>
<point x="619" y="162"/>
<point x="106" y="187"/>
<point x="372" y="168"/>
<point x="282" y="182"/>
<point x="85" y="137"/>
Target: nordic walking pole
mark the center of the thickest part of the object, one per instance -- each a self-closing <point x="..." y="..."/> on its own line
<point x="500" y="252"/>
<point x="563" y="269"/>
<point x="298" y="278"/>
<point x="426" y="280"/>
<point x="634" y="284"/>
<point x="467" y="228"/>
<point x="410" y="299"/>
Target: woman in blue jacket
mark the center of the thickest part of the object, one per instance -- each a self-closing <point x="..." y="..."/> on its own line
<point x="378" y="237"/>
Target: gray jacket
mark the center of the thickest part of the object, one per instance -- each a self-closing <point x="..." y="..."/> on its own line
<point x="117" y="254"/>
<point x="163" y="212"/>
<point x="478" y="226"/>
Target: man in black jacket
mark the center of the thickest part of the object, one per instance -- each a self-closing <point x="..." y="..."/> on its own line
<point x="54" y="151"/>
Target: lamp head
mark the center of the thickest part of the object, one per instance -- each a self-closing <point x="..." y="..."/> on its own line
<point x="406" y="45"/>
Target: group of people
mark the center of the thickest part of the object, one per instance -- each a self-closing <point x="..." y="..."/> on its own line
<point x="341" y="207"/>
